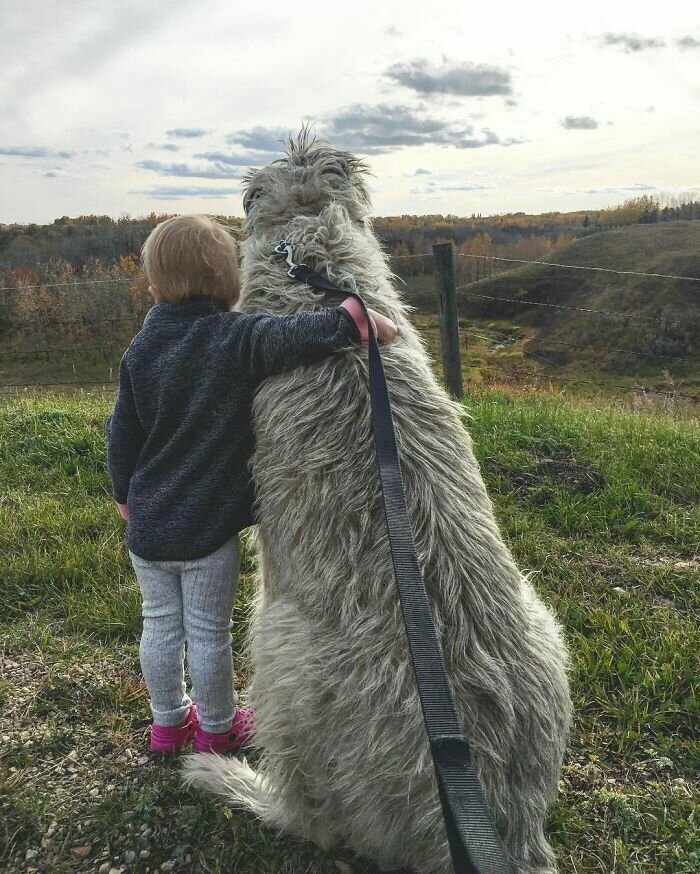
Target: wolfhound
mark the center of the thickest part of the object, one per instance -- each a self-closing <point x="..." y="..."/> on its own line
<point x="345" y="755"/>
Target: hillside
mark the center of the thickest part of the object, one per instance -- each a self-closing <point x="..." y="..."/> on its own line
<point x="662" y="325"/>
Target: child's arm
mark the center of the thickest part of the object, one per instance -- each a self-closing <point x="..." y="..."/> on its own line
<point x="125" y="439"/>
<point x="273" y="344"/>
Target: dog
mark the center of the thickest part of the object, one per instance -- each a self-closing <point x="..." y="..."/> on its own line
<point x="345" y="758"/>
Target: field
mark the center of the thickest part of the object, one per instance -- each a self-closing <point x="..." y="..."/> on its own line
<point x="601" y="505"/>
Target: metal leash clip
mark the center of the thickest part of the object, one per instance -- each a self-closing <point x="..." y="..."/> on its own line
<point x="286" y="249"/>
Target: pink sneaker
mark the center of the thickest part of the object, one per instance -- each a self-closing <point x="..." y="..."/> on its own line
<point x="166" y="739"/>
<point x="240" y="734"/>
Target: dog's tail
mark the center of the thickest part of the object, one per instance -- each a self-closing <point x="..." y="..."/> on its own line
<point x="233" y="778"/>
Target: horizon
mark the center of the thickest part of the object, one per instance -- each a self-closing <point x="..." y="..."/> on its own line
<point x="683" y="198"/>
<point x="123" y="110"/>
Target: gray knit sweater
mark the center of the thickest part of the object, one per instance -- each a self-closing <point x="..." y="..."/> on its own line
<point x="181" y="437"/>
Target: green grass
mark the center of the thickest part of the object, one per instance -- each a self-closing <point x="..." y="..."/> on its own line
<point x="600" y="505"/>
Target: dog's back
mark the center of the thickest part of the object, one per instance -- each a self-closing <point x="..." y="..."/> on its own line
<point x="346" y="756"/>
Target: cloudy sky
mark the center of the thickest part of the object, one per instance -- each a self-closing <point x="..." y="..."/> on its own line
<point x="132" y="106"/>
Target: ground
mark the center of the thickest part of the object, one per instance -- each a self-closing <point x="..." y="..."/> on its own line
<point x="600" y="505"/>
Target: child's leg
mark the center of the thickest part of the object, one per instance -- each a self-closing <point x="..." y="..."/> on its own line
<point x="208" y="592"/>
<point x="163" y="640"/>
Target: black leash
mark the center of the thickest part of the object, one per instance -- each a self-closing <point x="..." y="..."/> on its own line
<point x="475" y="846"/>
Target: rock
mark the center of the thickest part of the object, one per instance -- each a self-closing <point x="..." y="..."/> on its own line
<point x="130" y="857"/>
<point x="104" y="868"/>
<point x="142" y="760"/>
<point x="46" y="842"/>
<point x="168" y="866"/>
<point x="144" y="854"/>
<point x="82" y="852"/>
<point x="30" y="855"/>
<point x="343" y="867"/>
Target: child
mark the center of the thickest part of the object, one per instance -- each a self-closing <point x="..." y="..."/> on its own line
<point x="178" y="446"/>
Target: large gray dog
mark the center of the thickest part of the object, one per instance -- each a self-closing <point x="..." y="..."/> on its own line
<point x="346" y="758"/>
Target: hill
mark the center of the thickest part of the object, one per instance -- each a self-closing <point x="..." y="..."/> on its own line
<point x="642" y="324"/>
<point x="600" y="506"/>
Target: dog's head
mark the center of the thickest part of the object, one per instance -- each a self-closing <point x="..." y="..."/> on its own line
<point x="310" y="176"/>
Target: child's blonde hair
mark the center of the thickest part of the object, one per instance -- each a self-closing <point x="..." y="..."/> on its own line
<point x="192" y="256"/>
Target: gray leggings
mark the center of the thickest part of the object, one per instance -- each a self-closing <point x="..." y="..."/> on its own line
<point x="189" y="601"/>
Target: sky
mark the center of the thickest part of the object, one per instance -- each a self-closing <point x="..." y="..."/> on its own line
<point x="134" y="106"/>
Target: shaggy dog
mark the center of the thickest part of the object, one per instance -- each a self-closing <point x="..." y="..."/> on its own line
<point x="345" y="754"/>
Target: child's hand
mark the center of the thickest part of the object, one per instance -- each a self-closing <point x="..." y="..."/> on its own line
<point x="123" y="511"/>
<point x="385" y="330"/>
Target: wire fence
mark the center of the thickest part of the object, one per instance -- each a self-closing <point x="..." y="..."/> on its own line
<point x="68" y="332"/>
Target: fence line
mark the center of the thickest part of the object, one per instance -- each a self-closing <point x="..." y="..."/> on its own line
<point x="73" y="282"/>
<point x="564" y="266"/>
<point x="558" y="306"/>
<point x="463" y="290"/>
<point x="141" y="277"/>
<point x="582" y="267"/>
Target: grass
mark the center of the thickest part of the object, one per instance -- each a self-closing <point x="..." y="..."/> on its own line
<point x="600" y="505"/>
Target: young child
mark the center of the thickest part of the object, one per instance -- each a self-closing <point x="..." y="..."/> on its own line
<point x="178" y="446"/>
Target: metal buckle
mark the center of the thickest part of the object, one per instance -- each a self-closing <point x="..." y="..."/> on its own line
<point x="284" y="248"/>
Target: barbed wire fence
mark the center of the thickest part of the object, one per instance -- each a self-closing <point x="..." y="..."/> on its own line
<point x="653" y="332"/>
<point x="71" y="332"/>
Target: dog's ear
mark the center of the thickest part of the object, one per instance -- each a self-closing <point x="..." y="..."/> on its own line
<point x="250" y="195"/>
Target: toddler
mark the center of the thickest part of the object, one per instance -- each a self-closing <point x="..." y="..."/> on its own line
<point x="178" y="446"/>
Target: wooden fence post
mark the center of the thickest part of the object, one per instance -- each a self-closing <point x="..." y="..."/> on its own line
<point x="444" y="259"/>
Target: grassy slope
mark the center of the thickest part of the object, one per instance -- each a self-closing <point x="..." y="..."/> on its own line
<point x="672" y="248"/>
<point x="601" y="505"/>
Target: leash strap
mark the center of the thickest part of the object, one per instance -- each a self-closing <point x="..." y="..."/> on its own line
<point x="475" y="846"/>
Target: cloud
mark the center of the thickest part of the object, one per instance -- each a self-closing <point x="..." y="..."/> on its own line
<point x="631" y="43"/>
<point x="386" y="127"/>
<point x="434" y="187"/>
<point x="464" y="187"/>
<point x="180" y="192"/>
<point x="367" y="129"/>
<point x="163" y="147"/>
<point x="579" y="122"/>
<point x="245" y="160"/>
<point x="263" y="139"/>
<point x="463" y="80"/>
<point x="620" y="189"/>
<point x="186" y="133"/>
<point x="215" y="170"/>
<point x="688" y="42"/>
<point x="392" y="31"/>
<point x="421" y="171"/>
<point x="35" y="152"/>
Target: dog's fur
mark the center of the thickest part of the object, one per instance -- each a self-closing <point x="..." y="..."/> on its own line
<point x="345" y="753"/>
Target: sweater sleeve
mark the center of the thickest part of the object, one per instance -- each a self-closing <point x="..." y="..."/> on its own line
<point x="267" y="345"/>
<point x="125" y="437"/>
